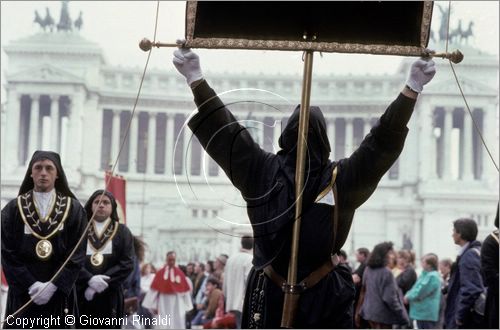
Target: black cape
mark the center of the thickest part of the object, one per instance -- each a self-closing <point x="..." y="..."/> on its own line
<point x="266" y="182"/>
<point x="118" y="267"/>
<point x="22" y="267"/>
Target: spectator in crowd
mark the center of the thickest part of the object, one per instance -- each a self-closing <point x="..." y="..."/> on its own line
<point x="220" y="264"/>
<point x="392" y="263"/>
<point x="147" y="275"/>
<point x="466" y="283"/>
<point x="214" y="296"/>
<point x="190" y="271"/>
<point x="357" y="277"/>
<point x="444" y="269"/>
<point x="424" y="297"/>
<point x="407" y="276"/>
<point x="489" y="268"/>
<point x="343" y="260"/>
<point x="237" y="270"/>
<point x="380" y="301"/>
<point x="132" y="286"/>
<point x="210" y="267"/>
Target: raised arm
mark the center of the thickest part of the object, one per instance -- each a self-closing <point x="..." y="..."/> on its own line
<point x="219" y="132"/>
<point x="362" y="171"/>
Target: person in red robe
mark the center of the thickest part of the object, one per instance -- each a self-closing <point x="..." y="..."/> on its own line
<point x="170" y="295"/>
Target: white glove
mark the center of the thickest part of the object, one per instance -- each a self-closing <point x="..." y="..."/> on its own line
<point x="89" y="294"/>
<point x="34" y="288"/>
<point x="98" y="283"/>
<point x="42" y="293"/>
<point x="421" y="72"/>
<point x="187" y="63"/>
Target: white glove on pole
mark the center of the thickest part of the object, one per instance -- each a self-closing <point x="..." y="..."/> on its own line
<point x="422" y="71"/>
<point x="98" y="283"/>
<point x="89" y="294"/>
<point x="187" y="63"/>
<point x="44" y="294"/>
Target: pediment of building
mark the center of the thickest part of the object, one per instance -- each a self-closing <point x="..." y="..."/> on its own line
<point x="45" y="73"/>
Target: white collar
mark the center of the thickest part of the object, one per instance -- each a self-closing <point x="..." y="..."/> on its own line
<point x="43" y="200"/>
<point x="462" y="248"/>
<point x="101" y="226"/>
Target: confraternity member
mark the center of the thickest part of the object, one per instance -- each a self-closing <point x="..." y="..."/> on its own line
<point x="110" y="260"/>
<point x="40" y="228"/>
<point x="267" y="183"/>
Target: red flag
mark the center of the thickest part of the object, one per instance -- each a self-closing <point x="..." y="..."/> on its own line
<point x="116" y="185"/>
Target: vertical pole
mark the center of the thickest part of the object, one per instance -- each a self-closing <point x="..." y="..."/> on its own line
<point x="291" y="296"/>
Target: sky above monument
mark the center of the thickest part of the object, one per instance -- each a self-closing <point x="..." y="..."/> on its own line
<point x="118" y="26"/>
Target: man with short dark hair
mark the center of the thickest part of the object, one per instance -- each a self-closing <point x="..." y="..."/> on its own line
<point x="466" y="283"/>
<point x="40" y="228"/>
<point x="236" y="273"/>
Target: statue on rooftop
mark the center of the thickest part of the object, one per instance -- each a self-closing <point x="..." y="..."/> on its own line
<point x="65" y="22"/>
<point x="79" y="22"/>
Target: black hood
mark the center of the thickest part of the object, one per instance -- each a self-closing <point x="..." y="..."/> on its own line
<point x="317" y="150"/>
<point x="61" y="184"/>
<point x="114" y="206"/>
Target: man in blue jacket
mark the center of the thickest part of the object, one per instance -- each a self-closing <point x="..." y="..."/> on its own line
<point x="466" y="283"/>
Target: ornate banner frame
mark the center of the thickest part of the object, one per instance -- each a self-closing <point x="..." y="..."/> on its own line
<point x="231" y="43"/>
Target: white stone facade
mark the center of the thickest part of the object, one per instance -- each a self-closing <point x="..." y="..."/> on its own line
<point x="62" y="95"/>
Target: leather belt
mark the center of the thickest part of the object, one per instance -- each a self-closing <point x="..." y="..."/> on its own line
<point x="311" y="280"/>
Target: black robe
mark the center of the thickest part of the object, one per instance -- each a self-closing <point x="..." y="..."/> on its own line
<point x="22" y="267"/>
<point x="266" y="182"/>
<point x="489" y="268"/>
<point x="118" y="266"/>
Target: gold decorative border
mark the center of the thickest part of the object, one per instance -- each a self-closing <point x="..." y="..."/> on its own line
<point x="61" y="223"/>
<point x="226" y="43"/>
<point x="110" y="238"/>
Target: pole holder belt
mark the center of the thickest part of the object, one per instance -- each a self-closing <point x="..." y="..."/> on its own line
<point x="311" y="280"/>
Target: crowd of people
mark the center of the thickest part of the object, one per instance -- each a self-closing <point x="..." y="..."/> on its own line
<point x="64" y="262"/>
<point x="108" y="277"/>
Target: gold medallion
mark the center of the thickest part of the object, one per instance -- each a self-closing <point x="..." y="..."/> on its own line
<point x="43" y="249"/>
<point x="96" y="259"/>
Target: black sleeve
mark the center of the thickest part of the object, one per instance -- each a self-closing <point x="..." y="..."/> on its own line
<point x="226" y="141"/>
<point x="360" y="173"/>
<point x="118" y="273"/>
<point x="17" y="274"/>
<point x="489" y="262"/>
<point x="74" y="230"/>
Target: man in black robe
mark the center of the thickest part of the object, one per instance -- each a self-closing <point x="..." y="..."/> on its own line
<point x="109" y="262"/>
<point x="40" y="228"/>
<point x="267" y="181"/>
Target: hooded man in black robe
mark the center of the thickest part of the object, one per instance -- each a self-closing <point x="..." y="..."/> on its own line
<point x="267" y="183"/>
<point x="109" y="262"/>
<point x="40" y="228"/>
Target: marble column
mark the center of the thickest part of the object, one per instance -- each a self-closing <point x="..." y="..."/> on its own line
<point x="115" y="137"/>
<point x="134" y="127"/>
<point x="54" y="123"/>
<point x="12" y="129"/>
<point x="467" y="152"/>
<point x="151" y="143"/>
<point x="448" y="123"/>
<point x="187" y="150"/>
<point x="331" y="136"/>
<point x="349" y="138"/>
<point x="34" y="125"/>
<point x="169" y="142"/>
